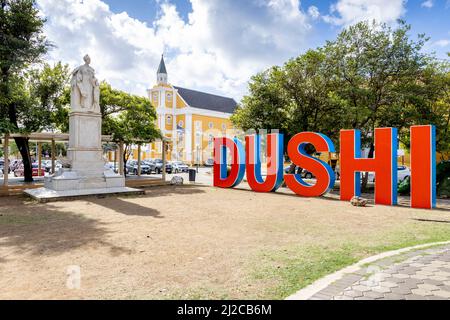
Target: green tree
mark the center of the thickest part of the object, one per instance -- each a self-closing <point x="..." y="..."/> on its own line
<point x="370" y="76"/>
<point x="112" y="102"/>
<point x="135" y="124"/>
<point x="60" y="149"/>
<point x="296" y="97"/>
<point x="429" y="103"/>
<point x="376" y="67"/>
<point x="37" y="96"/>
<point x="382" y="74"/>
<point x="22" y="44"/>
<point x="265" y="106"/>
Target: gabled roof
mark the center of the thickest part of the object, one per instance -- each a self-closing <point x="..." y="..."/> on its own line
<point x="207" y="101"/>
<point x="162" y="66"/>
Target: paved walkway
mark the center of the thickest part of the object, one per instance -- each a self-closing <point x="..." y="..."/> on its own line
<point x="417" y="275"/>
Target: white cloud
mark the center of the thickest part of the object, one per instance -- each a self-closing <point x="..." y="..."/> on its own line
<point x="427" y="4"/>
<point x="220" y="47"/>
<point x="313" y="11"/>
<point x="348" y="12"/>
<point x="442" y="43"/>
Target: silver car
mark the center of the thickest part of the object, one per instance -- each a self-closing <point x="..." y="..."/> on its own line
<point x="178" y="166"/>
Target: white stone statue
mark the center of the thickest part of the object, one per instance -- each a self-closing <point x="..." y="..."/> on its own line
<point x="85" y="89"/>
<point x="84" y="170"/>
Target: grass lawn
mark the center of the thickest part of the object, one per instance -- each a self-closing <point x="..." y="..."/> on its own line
<point x="196" y="243"/>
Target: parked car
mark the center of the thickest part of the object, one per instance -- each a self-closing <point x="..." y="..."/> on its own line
<point x="403" y="173"/>
<point x="110" y="166"/>
<point x="48" y="165"/>
<point x="19" y="172"/>
<point x="14" y="164"/>
<point x="132" y="166"/>
<point x="178" y="166"/>
<point x="305" y="173"/>
<point x="209" y="162"/>
<point x="157" y="165"/>
<point x="148" y="163"/>
<point x="2" y="166"/>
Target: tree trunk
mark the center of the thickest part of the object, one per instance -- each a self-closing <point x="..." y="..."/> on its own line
<point x="24" y="149"/>
<point x="125" y="163"/>
<point x="292" y="168"/>
<point x="365" y="178"/>
<point x="126" y="156"/>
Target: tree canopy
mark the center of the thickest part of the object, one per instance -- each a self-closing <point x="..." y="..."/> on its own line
<point x="134" y="124"/>
<point x="22" y="44"/>
<point x="370" y="76"/>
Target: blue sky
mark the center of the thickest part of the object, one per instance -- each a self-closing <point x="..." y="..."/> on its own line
<point x="429" y="17"/>
<point x="216" y="45"/>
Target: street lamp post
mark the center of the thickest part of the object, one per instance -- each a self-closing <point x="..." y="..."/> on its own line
<point x="198" y="157"/>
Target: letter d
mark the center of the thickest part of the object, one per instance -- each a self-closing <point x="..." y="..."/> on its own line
<point x="221" y="177"/>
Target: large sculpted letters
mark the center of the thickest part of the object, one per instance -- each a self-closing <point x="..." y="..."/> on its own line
<point x="223" y="178"/>
<point x="274" y="177"/>
<point x="423" y="167"/>
<point x="321" y="170"/>
<point x="383" y="164"/>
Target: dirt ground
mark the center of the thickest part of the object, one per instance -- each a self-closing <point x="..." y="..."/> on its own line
<point x="188" y="242"/>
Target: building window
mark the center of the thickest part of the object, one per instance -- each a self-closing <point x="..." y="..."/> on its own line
<point x="155" y="96"/>
<point x="198" y="139"/>
<point x="169" y="96"/>
<point x="198" y="125"/>
<point x="210" y="125"/>
<point x="169" y="120"/>
<point x="224" y="126"/>
<point x="211" y="141"/>
<point x="181" y="123"/>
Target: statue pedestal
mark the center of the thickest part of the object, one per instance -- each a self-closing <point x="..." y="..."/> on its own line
<point x="87" y="175"/>
<point x="85" y="144"/>
<point x="85" y="153"/>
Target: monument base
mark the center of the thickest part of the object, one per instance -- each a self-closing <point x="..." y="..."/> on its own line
<point x="66" y="180"/>
<point x="70" y="184"/>
<point x="44" y="195"/>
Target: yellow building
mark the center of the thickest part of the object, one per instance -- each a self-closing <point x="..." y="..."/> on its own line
<point x="189" y="119"/>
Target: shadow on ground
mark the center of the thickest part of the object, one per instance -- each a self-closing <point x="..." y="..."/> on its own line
<point x="174" y="190"/>
<point x="125" y="207"/>
<point x="403" y="201"/>
<point x="46" y="229"/>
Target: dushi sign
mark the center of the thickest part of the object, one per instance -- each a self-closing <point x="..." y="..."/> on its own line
<point x="383" y="164"/>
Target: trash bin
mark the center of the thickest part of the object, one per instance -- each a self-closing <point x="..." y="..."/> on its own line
<point x="192" y="173"/>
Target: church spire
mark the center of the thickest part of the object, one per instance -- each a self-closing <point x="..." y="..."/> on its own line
<point x="161" y="74"/>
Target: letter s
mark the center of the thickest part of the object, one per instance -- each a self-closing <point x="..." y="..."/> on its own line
<point x="321" y="170"/>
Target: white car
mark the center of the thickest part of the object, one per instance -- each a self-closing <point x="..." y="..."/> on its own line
<point x="402" y="173"/>
<point x="178" y="166"/>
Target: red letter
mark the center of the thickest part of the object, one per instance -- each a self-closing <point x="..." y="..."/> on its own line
<point x="384" y="164"/>
<point x="221" y="177"/>
<point x="323" y="172"/>
<point x="423" y="167"/>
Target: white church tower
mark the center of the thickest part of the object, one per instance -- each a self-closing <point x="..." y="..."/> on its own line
<point x="161" y="74"/>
